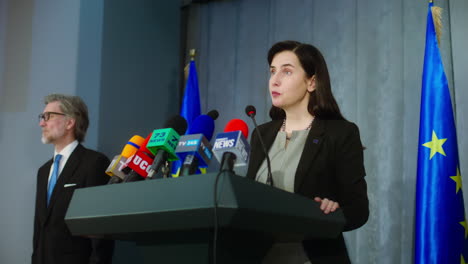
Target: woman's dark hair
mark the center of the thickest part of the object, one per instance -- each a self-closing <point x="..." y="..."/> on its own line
<point x="322" y="104"/>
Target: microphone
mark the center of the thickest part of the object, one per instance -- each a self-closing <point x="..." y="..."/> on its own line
<point x="118" y="162"/>
<point x="194" y="149"/>
<point x="231" y="147"/>
<point x="164" y="141"/>
<point x="213" y="114"/>
<point x="204" y="125"/>
<point x="251" y="112"/>
<point x="138" y="164"/>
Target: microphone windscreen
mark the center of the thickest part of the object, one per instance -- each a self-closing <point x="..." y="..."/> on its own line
<point x="132" y="146"/>
<point x="213" y="114"/>
<point x="237" y="125"/>
<point x="203" y="124"/>
<point x="178" y="123"/>
<point x="250" y="110"/>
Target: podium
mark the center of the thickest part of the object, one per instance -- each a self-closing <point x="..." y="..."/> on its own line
<point x="171" y="220"/>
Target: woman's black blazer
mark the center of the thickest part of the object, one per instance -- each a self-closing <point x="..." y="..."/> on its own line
<point x="331" y="166"/>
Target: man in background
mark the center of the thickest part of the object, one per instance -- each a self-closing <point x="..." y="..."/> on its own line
<point x="64" y="122"/>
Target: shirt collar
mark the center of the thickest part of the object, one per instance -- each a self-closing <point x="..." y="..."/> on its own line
<point x="67" y="151"/>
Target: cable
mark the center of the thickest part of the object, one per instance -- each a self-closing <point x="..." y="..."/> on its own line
<point x="215" y="210"/>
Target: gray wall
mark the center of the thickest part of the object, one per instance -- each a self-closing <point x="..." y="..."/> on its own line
<point x="120" y="56"/>
<point x="374" y="50"/>
<point x="40" y="41"/>
<point x="139" y="78"/>
<point x="140" y="69"/>
<point x="459" y="23"/>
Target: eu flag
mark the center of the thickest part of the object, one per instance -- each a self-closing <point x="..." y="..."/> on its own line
<point x="441" y="228"/>
<point x="190" y="106"/>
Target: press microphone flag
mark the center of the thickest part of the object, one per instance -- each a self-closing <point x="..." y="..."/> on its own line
<point x="197" y="142"/>
<point x="233" y="141"/>
<point x="130" y="149"/>
<point x="118" y="162"/>
<point x="138" y="163"/>
<point x="190" y="153"/>
<point x="164" y="141"/>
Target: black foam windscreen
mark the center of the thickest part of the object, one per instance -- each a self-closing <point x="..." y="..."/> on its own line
<point x="250" y="110"/>
<point x="178" y="123"/>
<point x="213" y="114"/>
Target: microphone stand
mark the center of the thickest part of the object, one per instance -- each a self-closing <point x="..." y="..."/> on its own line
<point x="269" y="176"/>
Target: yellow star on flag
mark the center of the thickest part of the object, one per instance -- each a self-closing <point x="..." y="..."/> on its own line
<point x="462" y="260"/>
<point x="435" y="145"/>
<point x="464" y="226"/>
<point x="457" y="179"/>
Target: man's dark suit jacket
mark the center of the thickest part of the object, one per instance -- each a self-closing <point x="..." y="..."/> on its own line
<point x="331" y="166"/>
<point x="52" y="241"/>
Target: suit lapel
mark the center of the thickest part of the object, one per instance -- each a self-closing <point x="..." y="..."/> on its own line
<point x="313" y="142"/>
<point x="67" y="172"/>
<point x="42" y="182"/>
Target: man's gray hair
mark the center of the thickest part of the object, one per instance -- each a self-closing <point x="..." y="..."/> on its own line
<point x="74" y="107"/>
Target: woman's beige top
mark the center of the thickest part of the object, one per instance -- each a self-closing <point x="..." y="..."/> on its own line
<point x="284" y="155"/>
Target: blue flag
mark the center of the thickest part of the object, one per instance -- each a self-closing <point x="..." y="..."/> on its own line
<point x="440" y="229"/>
<point x="190" y="106"/>
<point x="191" y="103"/>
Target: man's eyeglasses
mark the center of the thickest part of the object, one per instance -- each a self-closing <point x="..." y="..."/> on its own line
<point x="46" y="115"/>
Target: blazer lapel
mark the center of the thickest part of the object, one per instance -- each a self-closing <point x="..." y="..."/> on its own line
<point x="313" y="143"/>
<point x="67" y="172"/>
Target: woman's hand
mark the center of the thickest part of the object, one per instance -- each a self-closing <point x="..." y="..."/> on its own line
<point x="326" y="205"/>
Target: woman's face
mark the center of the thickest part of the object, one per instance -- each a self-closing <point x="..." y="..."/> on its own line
<point x="289" y="85"/>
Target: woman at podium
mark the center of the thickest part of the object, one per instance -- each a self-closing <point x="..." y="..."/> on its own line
<point x="314" y="150"/>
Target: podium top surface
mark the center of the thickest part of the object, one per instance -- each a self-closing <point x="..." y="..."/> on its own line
<point x="128" y="210"/>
